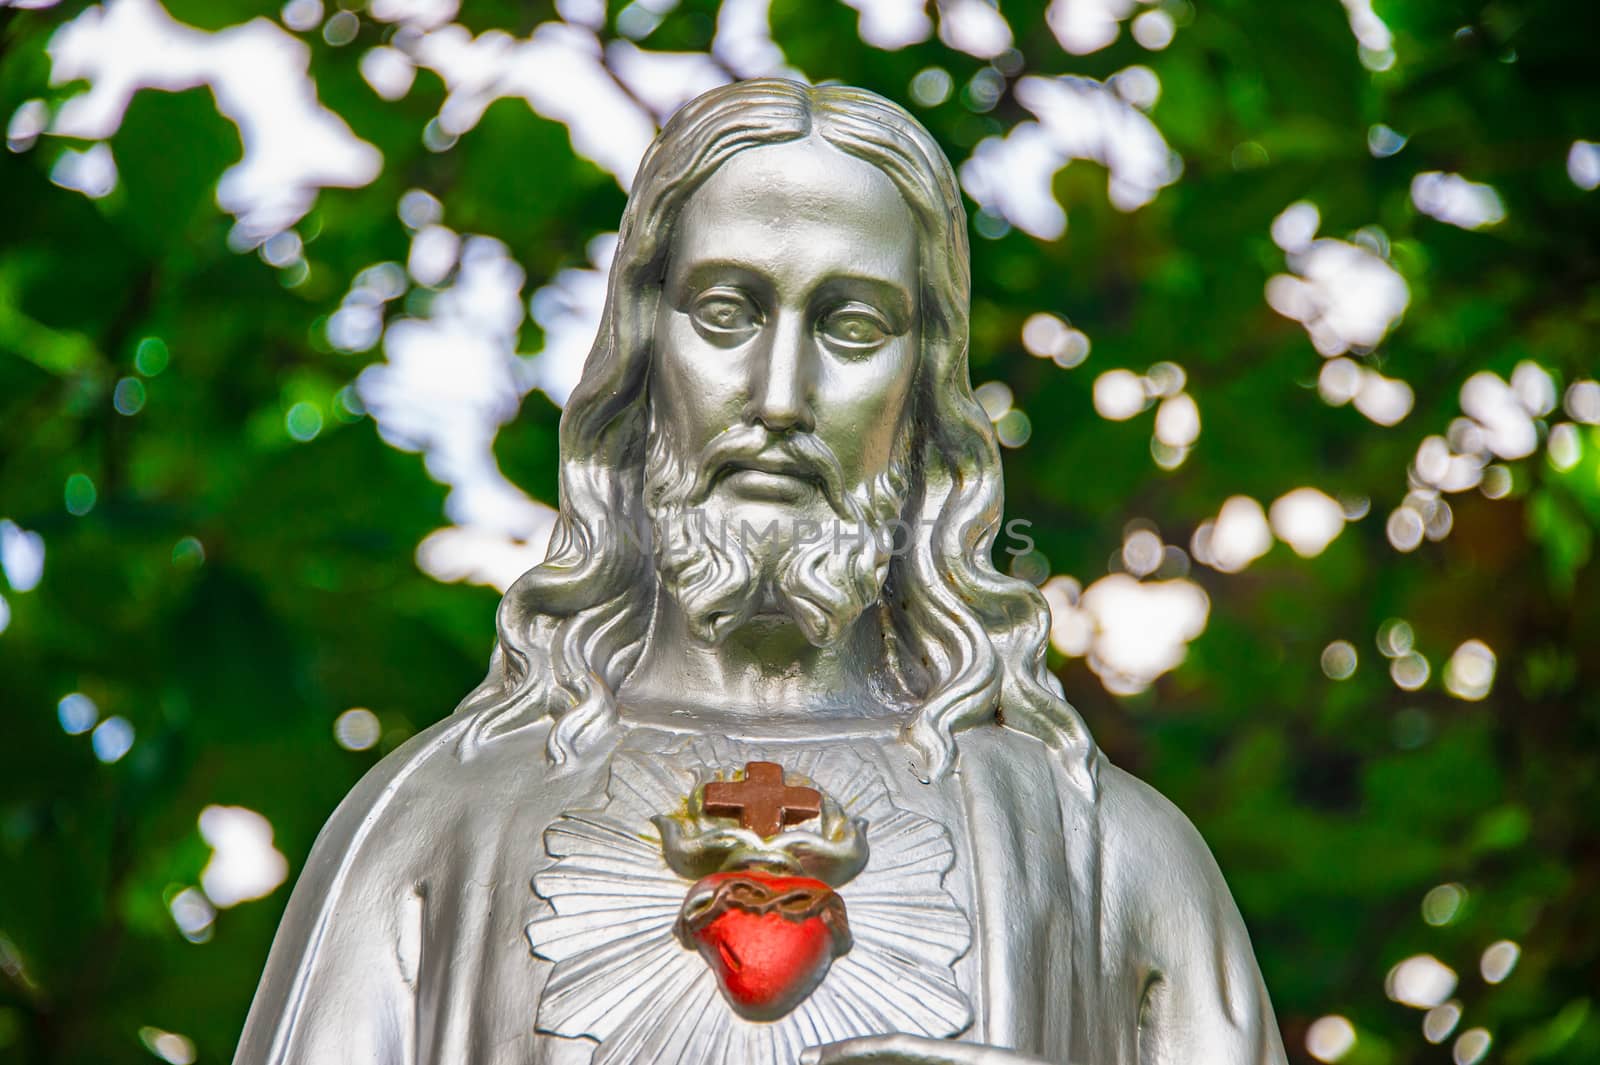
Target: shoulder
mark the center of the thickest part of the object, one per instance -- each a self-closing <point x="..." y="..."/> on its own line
<point x="344" y="917"/>
<point x="394" y="790"/>
<point x="1160" y="877"/>
<point x="349" y="940"/>
<point x="1148" y="843"/>
<point x="413" y="800"/>
<point x="377" y="837"/>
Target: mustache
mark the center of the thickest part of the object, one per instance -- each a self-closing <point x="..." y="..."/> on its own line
<point x="755" y="445"/>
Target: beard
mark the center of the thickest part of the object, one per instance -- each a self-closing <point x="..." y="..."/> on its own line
<point x="720" y="577"/>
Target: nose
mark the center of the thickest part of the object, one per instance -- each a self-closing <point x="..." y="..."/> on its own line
<point x="780" y="386"/>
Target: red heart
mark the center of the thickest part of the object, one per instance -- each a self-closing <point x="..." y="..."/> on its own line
<point x="769" y="940"/>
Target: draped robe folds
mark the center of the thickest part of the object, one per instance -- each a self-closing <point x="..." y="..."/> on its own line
<point x="1102" y="931"/>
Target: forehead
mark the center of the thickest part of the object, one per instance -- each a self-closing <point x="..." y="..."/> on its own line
<point x="798" y="209"/>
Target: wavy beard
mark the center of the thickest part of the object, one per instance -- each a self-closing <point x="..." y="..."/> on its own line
<point x="719" y="581"/>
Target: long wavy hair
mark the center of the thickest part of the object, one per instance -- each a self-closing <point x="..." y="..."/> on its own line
<point x="965" y="642"/>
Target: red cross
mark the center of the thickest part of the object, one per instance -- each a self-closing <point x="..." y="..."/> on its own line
<point x="761" y="801"/>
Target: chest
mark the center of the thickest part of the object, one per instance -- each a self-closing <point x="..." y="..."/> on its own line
<point x="957" y="919"/>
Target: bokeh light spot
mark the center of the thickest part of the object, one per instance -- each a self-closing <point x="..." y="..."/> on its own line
<point x="1119" y="395"/>
<point x="1439" y="1022"/>
<point x="1165" y="455"/>
<point x="995" y="397"/>
<point x="21" y="556"/>
<point x="1498" y="960"/>
<point x="1405" y="529"/>
<point x="1565" y="447"/>
<point x="1469" y="674"/>
<point x="1141" y="551"/>
<point x="1239" y="535"/>
<point x="1013" y="428"/>
<point x="1410" y="671"/>
<point x="932" y="86"/>
<point x="1583" y="165"/>
<point x="1454" y="200"/>
<point x="188" y="553"/>
<point x="128" y="397"/>
<point x="1178" y="421"/>
<point x="1249" y="155"/>
<point x="1582" y="401"/>
<point x="1503" y="412"/>
<point x="1307" y="520"/>
<point x="79" y="495"/>
<point x="1497" y="482"/>
<point x="151" y="356"/>
<point x="347" y="405"/>
<point x="341" y="29"/>
<point x="974" y="27"/>
<point x="1339" y="660"/>
<point x="1071" y="629"/>
<point x="303" y="422"/>
<point x="984" y="90"/>
<point x="282" y="250"/>
<point x="1138" y="84"/>
<point x="1421" y="981"/>
<point x="1296" y="226"/>
<point x="1330" y="1038"/>
<point x="302" y="15"/>
<point x="1031" y="566"/>
<point x="1346" y="295"/>
<point x="193" y="913"/>
<point x="389" y="71"/>
<point x="30" y="120"/>
<point x="419" y="208"/>
<point x="244" y="864"/>
<point x="1165" y="379"/>
<point x="1382" y="141"/>
<point x="436" y="138"/>
<point x="112" y="739"/>
<point x="1471" y="1047"/>
<point x="1442" y="904"/>
<point x="1384" y="400"/>
<point x="170" y="1047"/>
<point x="434" y="253"/>
<point x="1339" y="382"/>
<point x="1131" y="631"/>
<point x="357" y="729"/>
<point x="1153" y="29"/>
<point x="1396" y="637"/>
<point x="77" y="713"/>
<point x="92" y="172"/>
<point x="1047" y="336"/>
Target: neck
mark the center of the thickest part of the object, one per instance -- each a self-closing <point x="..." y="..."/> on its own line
<point x="766" y="673"/>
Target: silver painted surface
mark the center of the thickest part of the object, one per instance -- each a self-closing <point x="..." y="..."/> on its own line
<point x="784" y="342"/>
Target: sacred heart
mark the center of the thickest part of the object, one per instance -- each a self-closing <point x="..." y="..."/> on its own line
<point x="768" y="939"/>
<point x="752" y="878"/>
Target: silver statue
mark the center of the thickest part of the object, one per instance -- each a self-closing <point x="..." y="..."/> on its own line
<point x="768" y="767"/>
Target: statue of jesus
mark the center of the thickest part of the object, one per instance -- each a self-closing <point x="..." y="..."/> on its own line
<point x="768" y="767"/>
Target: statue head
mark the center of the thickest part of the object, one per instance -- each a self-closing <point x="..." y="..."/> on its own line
<point x="783" y="347"/>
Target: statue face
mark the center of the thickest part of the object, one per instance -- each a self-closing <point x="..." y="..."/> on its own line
<point x="789" y="309"/>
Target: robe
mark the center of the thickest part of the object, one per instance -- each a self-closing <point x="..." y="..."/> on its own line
<point x="1101" y="931"/>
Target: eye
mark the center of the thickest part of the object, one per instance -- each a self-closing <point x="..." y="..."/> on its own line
<point x="725" y="316"/>
<point x="855" y="328"/>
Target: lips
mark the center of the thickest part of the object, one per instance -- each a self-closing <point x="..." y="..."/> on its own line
<point x="776" y="465"/>
<point x="769" y="940"/>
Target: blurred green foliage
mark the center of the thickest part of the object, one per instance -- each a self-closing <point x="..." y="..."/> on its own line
<point x="1334" y="806"/>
